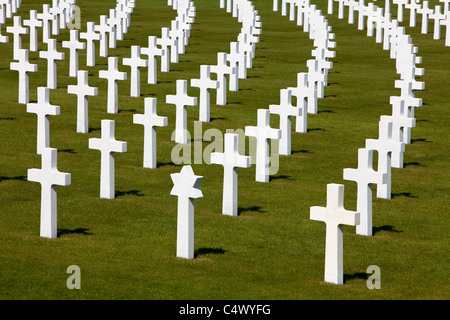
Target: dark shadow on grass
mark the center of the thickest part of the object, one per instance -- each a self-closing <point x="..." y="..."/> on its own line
<point x="386" y="227"/>
<point x="67" y="151"/>
<point x="82" y="231"/>
<point x="357" y="275"/>
<point x="316" y="129"/>
<point x="164" y="164"/>
<point x="136" y="193"/>
<point x="250" y="209"/>
<point x="94" y="129"/>
<point x="127" y="110"/>
<point x="17" y="178"/>
<point x="326" y="111"/>
<point x="280" y="177"/>
<point x="8" y="118"/>
<point x="203" y="251"/>
<point x="403" y="194"/>
<point x="217" y="118"/>
<point x="420" y="140"/>
<point x="300" y="151"/>
<point x="413" y="163"/>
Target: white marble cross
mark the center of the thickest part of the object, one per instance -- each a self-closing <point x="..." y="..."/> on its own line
<point x="170" y="46"/>
<point x="181" y="100"/>
<point x="238" y="60"/>
<point x="400" y="4"/>
<point x="51" y="55"/>
<point x="108" y="146"/>
<point x="177" y="33"/>
<point x="246" y="48"/>
<point x="113" y="75"/>
<point x="437" y="16"/>
<point x="3" y="39"/>
<point x="262" y="132"/>
<point x="385" y="147"/>
<point x="104" y="29"/>
<point x="186" y="186"/>
<point x="111" y="20"/>
<point x="82" y="90"/>
<point x="46" y="16"/>
<point x="285" y="110"/>
<point x="446" y="23"/>
<point x="135" y="62"/>
<point x="316" y="77"/>
<point x="23" y="67"/>
<point x="365" y="176"/>
<point x="116" y="21"/>
<point x="150" y="120"/>
<point x="335" y="216"/>
<point x="306" y="101"/>
<point x="152" y="51"/>
<point x="33" y="23"/>
<point x="49" y="177"/>
<point x="17" y="30"/>
<point x="73" y="45"/>
<point x="230" y="159"/>
<point x="222" y="69"/>
<point x="204" y="84"/>
<point x="413" y="7"/>
<point x="90" y="36"/>
<point x="43" y="109"/>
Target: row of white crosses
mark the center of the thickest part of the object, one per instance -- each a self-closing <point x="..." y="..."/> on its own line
<point x="7" y="10"/>
<point x="390" y="145"/>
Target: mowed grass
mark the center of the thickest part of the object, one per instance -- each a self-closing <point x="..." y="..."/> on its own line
<point x="126" y="247"/>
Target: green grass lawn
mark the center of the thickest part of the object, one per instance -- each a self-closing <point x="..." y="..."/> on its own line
<point x="126" y="247"/>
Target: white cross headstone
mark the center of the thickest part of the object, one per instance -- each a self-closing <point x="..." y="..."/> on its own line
<point x="181" y="100"/>
<point x="170" y="46"/>
<point x="46" y="16"/>
<point x="17" y="30"/>
<point x="413" y="6"/>
<point x="152" y="52"/>
<point x="104" y="29"/>
<point x="73" y="45"/>
<point x="364" y="176"/>
<point x="335" y="216"/>
<point x="23" y="67"/>
<point x="446" y="23"/>
<point x="262" y="132"/>
<point x="3" y="39"/>
<point x="385" y="147"/>
<point x="400" y="4"/>
<point x="237" y="61"/>
<point x="113" y="75"/>
<point x="230" y="159"/>
<point x="204" y="84"/>
<point x="51" y="55"/>
<point x="49" y="177"/>
<point x="306" y="101"/>
<point x="176" y="32"/>
<point x="90" y="36"/>
<point x="108" y="146"/>
<point x="315" y="77"/>
<point x="135" y="62"/>
<point x="437" y="16"/>
<point x="285" y="110"/>
<point x="150" y="120"/>
<point x="186" y="186"/>
<point x="222" y="69"/>
<point x="43" y="109"/>
<point x="82" y="90"/>
<point x="33" y="23"/>
<point x="56" y="17"/>
<point x="116" y="21"/>
<point x="113" y="34"/>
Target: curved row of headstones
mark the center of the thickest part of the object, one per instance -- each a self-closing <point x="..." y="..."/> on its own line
<point x="440" y="14"/>
<point x="7" y="10"/>
<point x="393" y="135"/>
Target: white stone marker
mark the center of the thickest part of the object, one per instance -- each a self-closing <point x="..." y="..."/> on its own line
<point x="181" y="100"/>
<point x="335" y="216"/>
<point x="115" y="21"/>
<point x="306" y="101"/>
<point x="51" y="55"/>
<point x="262" y="132"/>
<point x="400" y="4"/>
<point x="113" y="34"/>
<point x="316" y="77"/>
<point x="150" y="120"/>
<point x="437" y="16"/>
<point x="204" y="84"/>
<point x="108" y="146"/>
<point x="113" y="75"/>
<point x="385" y="146"/>
<point x="186" y="186"/>
<point x="46" y="16"/>
<point x="222" y="69"/>
<point x="49" y="177"/>
<point x="73" y="45"/>
<point x="33" y="23"/>
<point x="82" y="90"/>
<point x="171" y="49"/>
<point x="90" y="36"/>
<point x="152" y="51"/>
<point x="23" y="67"/>
<point x="235" y="59"/>
<point x="413" y="6"/>
<point x="446" y="23"/>
<point x="230" y="159"/>
<point x="135" y="62"/>
<point x="285" y="110"/>
<point x="365" y="176"/>
<point x="43" y="109"/>
<point x="3" y="39"/>
<point x="104" y="29"/>
<point x="17" y="30"/>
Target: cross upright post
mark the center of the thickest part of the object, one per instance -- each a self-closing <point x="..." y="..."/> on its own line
<point x="33" y="23"/>
<point x="113" y="75"/>
<point x="52" y="55"/>
<point x="23" y="67"/>
<point x="90" y="36"/>
<point x="152" y="52"/>
<point x="73" y="45"/>
<point x="135" y="62"/>
<point x="204" y="84"/>
<point x="335" y="216"/>
<point x="49" y="177"/>
<point x="17" y="30"/>
<point x="108" y="146"/>
<point x="306" y="101"/>
<point x="150" y="120"/>
<point x="46" y="16"/>
<point x="104" y="29"/>
<point x="222" y="69"/>
<point x="365" y="176"/>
